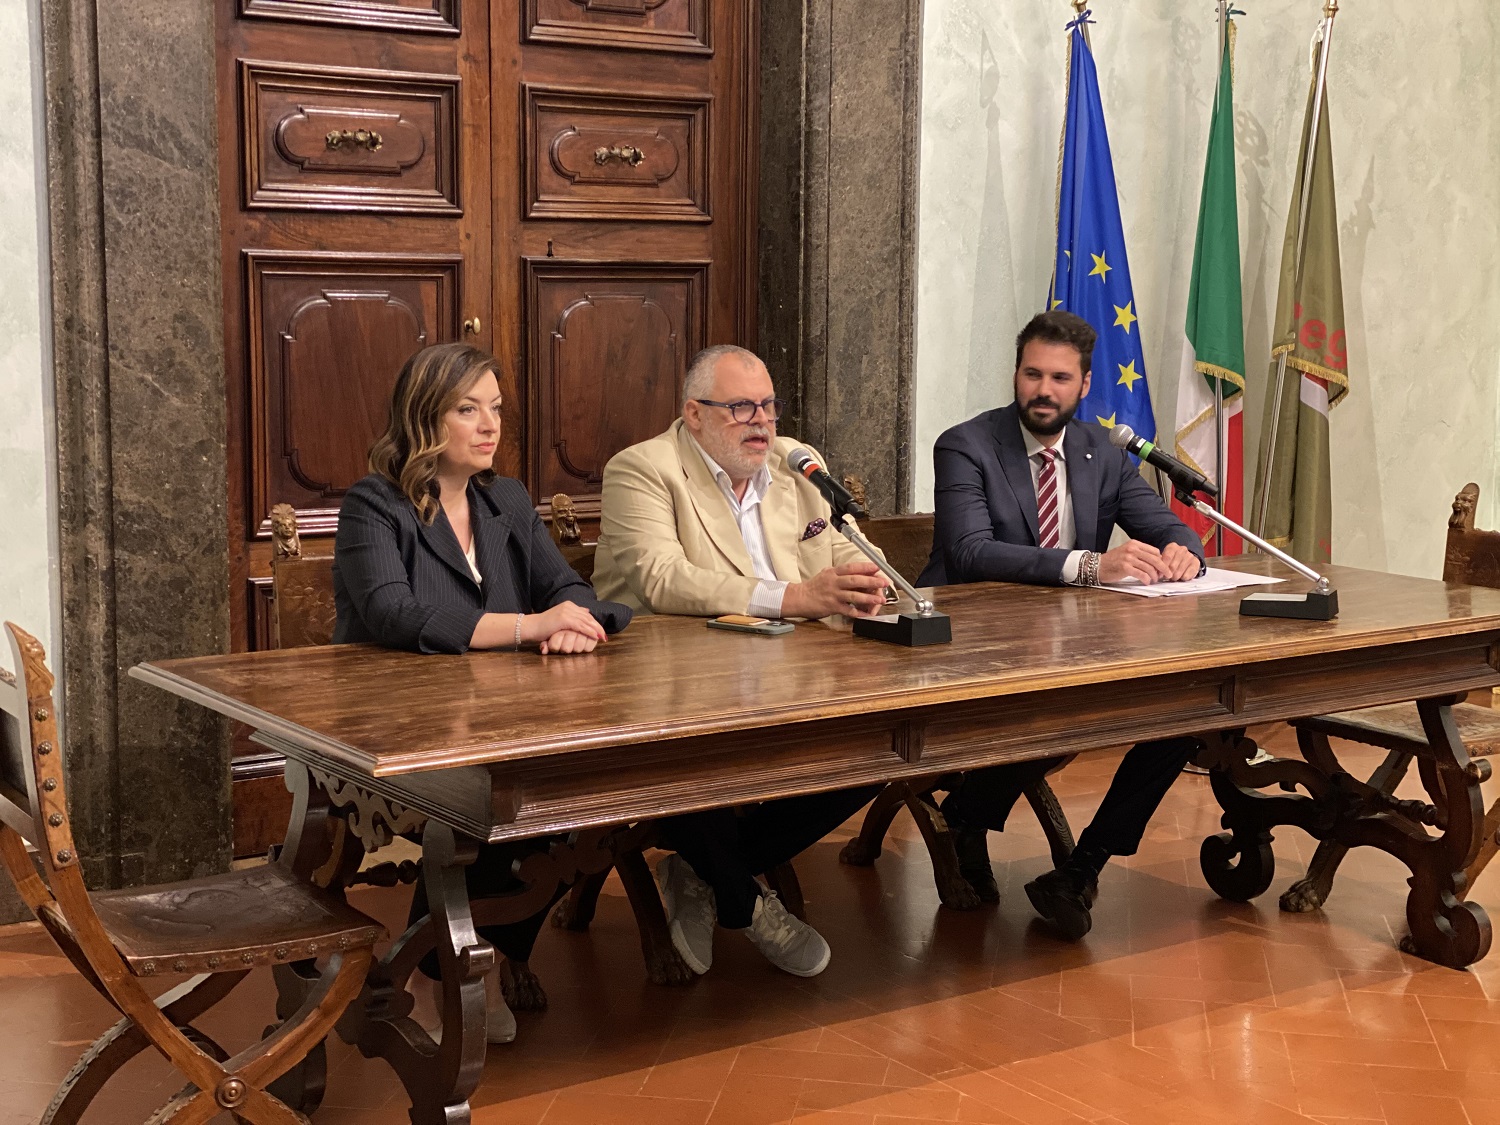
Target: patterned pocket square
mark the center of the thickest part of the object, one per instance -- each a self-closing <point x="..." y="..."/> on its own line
<point x="814" y="529"/>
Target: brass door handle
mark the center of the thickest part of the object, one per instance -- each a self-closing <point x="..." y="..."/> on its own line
<point x="625" y="154"/>
<point x="354" y="138"/>
<point x="472" y="326"/>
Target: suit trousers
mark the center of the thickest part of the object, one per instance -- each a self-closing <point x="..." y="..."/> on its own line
<point x="491" y="875"/>
<point x="1147" y="771"/>
<point x="728" y="848"/>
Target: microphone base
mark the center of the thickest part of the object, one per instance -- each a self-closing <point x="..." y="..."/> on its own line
<point x="1311" y="606"/>
<point x="909" y="629"/>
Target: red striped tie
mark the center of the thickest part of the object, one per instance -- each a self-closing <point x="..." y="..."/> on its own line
<point x="1046" y="498"/>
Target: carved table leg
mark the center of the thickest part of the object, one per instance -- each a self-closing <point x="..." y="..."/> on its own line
<point x="1311" y="891"/>
<point x="664" y="965"/>
<point x="439" y="1077"/>
<point x="1053" y="820"/>
<point x="1444" y="927"/>
<point x="864" y="849"/>
<point x="953" y="889"/>
<point x="521" y="987"/>
<point x="1239" y="864"/>
<point x="1487" y="850"/>
<point x="576" y="910"/>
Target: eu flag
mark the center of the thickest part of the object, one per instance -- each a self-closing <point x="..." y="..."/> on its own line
<point x="1092" y="275"/>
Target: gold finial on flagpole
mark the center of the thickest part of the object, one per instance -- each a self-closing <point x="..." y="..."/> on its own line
<point x="1080" y="6"/>
<point x="1331" y="8"/>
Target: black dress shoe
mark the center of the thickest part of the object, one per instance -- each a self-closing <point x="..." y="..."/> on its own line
<point x="974" y="863"/>
<point x="1064" y="897"/>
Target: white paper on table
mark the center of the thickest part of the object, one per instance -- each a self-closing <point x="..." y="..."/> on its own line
<point x="1215" y="581"/>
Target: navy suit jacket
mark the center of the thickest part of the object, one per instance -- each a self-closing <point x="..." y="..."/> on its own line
<point x="985" y="529"/>
<point x="404" y="584"/>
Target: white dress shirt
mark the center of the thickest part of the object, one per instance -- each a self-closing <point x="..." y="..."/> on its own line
<point x="766" y="599"/>
<point x="1067" y="534"/>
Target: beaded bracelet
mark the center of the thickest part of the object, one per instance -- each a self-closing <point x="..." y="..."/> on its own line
<point x="518" y="629"/>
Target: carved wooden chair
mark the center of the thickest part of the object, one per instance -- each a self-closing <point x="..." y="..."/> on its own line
<point x="906" y="542"/>
<point x="218" y="928"/>
<point x="1472" y="558"/>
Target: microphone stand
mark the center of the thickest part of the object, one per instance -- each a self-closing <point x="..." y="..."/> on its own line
<point x="925" y="627"/>
<point x="1321" y="603"/>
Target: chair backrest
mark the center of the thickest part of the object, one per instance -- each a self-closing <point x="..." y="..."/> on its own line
<point x="906" y="541"/>
<point x="33" y="800"/>
<point x="1472" y="557"/>
<point x="303" y="612"/>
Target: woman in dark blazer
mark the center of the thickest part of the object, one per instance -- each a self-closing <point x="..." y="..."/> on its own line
<point x="435" y="552"/>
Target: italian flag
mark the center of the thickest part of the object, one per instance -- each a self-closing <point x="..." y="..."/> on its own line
<point x="1211" y="388"/>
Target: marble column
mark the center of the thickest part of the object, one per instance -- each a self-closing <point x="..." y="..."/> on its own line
<point x="838" y="221"/>
<point x="139" y="369"/>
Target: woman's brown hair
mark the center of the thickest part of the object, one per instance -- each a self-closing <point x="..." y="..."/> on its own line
<point x="430" y="384"/>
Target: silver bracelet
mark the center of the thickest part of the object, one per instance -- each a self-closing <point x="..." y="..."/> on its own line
<point x="518" y="629"/>
<point x="1088" y="569"/>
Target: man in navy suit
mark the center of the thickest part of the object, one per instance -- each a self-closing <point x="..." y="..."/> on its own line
<point x="1027" y="494"/>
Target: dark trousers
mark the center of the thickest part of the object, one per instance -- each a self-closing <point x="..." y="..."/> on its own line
<point x="728" y="848"/>
<point x="1145" y="774"/>
<point x="490" y="875"/>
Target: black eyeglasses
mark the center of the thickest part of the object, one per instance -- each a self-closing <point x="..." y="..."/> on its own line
<point x="744" y="410"/>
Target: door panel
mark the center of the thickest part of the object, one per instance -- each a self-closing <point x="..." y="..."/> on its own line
<point x="435" y="16"/>
<point x="347" y="139"/>
<point x="589" y="319"/>
<point x="328" y="335"/>
<point x="644" y="25"/>
<point x="626" y="238"/>
<point x="596" y="155"/>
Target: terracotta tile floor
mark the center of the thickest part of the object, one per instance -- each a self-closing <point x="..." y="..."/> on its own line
<point x="1177" y="1008"/>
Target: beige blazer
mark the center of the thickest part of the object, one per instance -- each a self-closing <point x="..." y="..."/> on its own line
<point x="668" y="542"/>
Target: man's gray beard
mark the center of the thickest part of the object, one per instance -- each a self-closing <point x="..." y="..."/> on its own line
<point x="730" y="455"/>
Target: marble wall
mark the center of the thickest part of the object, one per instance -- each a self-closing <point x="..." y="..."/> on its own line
<point x="28" y="506"/>
<point x="1413" y="98"/>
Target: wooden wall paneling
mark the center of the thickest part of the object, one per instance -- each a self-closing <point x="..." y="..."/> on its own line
<point x="344" y="138"/>
<point x="440" y="17"/>
<point x="604" y="156"/>
<point x="328" y="333"/>
<point x="681" y="26"/>
<point x="608" y="352"/>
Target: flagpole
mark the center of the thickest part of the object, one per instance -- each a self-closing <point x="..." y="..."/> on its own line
<point x="1218" y="384"/>
<point x="1330" y="10"/>
<point x="1081" y="6"/>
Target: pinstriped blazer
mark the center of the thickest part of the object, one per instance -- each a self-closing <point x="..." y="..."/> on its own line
<point x="404" y="584"/>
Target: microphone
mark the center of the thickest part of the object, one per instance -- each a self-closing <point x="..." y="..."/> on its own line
<point x="1186" y="479"/>
<point x="838" y="497"/>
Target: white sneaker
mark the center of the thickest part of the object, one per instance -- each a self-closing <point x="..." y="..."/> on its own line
<point x="689" y="903"/>
<point x="499" y="1020"/>
<point x="787" y="942"/>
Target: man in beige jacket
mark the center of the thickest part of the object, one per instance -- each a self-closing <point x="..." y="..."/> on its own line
<point x="704" y="520"/>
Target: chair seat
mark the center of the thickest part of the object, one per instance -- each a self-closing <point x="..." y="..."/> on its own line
<point x="1397" y="726"/>
<point x="255" y="916"/>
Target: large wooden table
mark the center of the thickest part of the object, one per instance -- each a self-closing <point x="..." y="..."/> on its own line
<point x="671" y="716"/>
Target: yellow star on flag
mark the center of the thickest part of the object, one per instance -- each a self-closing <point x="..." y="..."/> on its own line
<point x="1101" y="267"/>
<point x="1056" y="303"/>
<point x="1107" y="423"/>
<point x="1128" y="376"/>
<point x="1125" y="317"/>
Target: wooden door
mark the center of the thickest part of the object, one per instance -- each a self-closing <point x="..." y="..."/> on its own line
<point x="624" y="169"/>
<point x="567" y="183"/>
